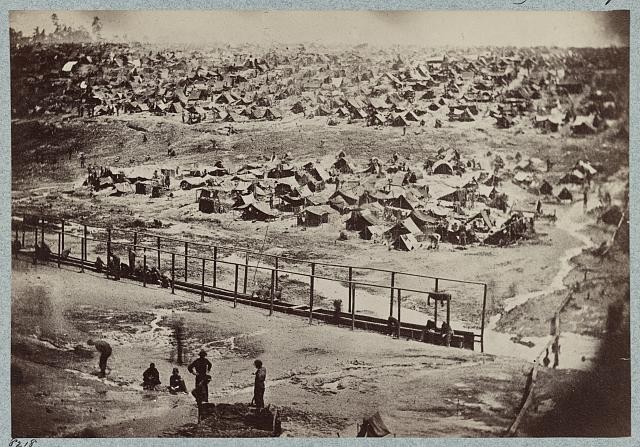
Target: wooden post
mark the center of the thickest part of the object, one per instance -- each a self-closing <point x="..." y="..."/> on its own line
<point x="42" y="235"/>
<point x="202" y="287"/>
<point x="436" y="289"/>
<point x="108" y="245"/>
<point x="273" y="275"/>
<point x="393" y="282"/>
<point x="144" y="268"/>
<point x="235" y="287"/>
<point x="186" y="254"/>
<point x="435" y="312"/>
<point x="62" y="237"/>
<point x="353" y="305"/>
<point x="350" y="288"/>
<point x="135" y="241"/>
<point x="84" y="239"/>
<point x="215" y="266"/>
<point x="173" y="273"/>
<point x="59" y="247"/>
<point x="276" y="282"/>
<point x="484" y="308"/>
<point x="311" y="284"/>
<point x="158" y="247"/>
<point x="399" y="307"/>
<point x="83" y="248"/>
<point x="246" y="272"/>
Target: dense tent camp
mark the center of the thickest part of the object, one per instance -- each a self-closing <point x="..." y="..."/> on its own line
<point x="399" y="173"/>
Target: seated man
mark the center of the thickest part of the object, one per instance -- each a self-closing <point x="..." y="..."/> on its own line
<point x="150" y="378"/>
<point x="176" y="383"/>
<point x="392" y="326"/>
<point x="165" y="281"/>
<point x="99" y="264"/>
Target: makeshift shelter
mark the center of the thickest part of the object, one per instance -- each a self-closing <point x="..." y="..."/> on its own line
<point x="314" y="216"/>
<point x="360" y="219"/>
<point x="405" y="242"/>
<point x="565" y="194"/>
<point x="343" y="166"/>
<point x="373" y="427"/>
<point x="442" y="167"/>
<point x="258" y="211"/>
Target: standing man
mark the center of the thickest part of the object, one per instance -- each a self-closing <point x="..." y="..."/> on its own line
<point x="258" y="388"/>
<point x="201" y="367"/>
<point x="104" y="349"/>
<point x="82" y="158"/>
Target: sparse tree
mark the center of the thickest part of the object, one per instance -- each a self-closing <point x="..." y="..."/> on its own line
<point x="96" y="27"/>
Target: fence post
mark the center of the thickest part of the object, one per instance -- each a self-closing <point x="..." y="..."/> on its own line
<point x="246" y="272"/>
<point x="186" y="254"/>
<point x="135" y="240"/>
<point x="215" y="266"/>
<point x="350" y="279"/>
<point x="393" y="283"/>
<point x="59" y="246"/>
<point x="435" y="312"/>
<point x="235" y="287"/>
<point x="108" y="245"/>
<point x="436" y="289"/>
<point x="144" y="268"/>
<point x="276" y="280"/>
<point x="202" y="288"/>
<point x="311" y="284"/>
<point x="35" y="232"/>
<point x="42" y="235"/>
<point x="23" y="226"/>
<point x="84" y="237"/>
<point x="173" y="273"/>
<point x="353" y="305"/>
<point x="158" y="244"/>
<point x="399" y="306"/>
<point x="273" y="275"/>
<point x="62" y="237"/>
<point x="83" y="248"/>
<point x="484" y="307"/>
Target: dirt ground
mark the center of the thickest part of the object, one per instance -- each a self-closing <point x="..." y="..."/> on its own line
<point x="324" y="378"/>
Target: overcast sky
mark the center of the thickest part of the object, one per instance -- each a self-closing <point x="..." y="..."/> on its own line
<point x="429" y="28"/>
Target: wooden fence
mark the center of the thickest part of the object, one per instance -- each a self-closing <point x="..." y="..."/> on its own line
<point x="202" y="268"/>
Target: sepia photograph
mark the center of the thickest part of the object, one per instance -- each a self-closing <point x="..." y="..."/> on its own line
<point x="319" y="224"/>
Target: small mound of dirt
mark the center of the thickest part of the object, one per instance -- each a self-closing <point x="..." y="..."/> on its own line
<point x="232" y="421"/>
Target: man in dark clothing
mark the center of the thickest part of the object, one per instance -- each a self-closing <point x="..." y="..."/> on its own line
<point x="150" y="377"/>
<point x="176" y="383"/>
<point x="104" y="349"/>
<point x="201" y="367"/>
<point x="114" y="267"/>
<point x="258" y="388"/>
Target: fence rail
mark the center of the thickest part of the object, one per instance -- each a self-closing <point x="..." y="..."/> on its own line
<point x="168" y="254"/>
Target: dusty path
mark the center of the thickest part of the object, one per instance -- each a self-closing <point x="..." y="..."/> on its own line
<point x="325" y="378"/>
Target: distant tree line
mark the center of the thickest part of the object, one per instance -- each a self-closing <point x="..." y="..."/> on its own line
<point x="61" y="33"/>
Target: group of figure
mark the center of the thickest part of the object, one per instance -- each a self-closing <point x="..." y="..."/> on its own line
<point x="140" y="272"/>
<point x="151" y="380"/>
<point x="200" y="368"/>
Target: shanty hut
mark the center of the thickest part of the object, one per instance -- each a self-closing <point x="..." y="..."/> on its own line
<point x="258" y="211"/>
<point x="442" y="167"/>
<point x="405" y="242"/>
<point x="314" y="216"/>
<point x="360" y="219"/>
